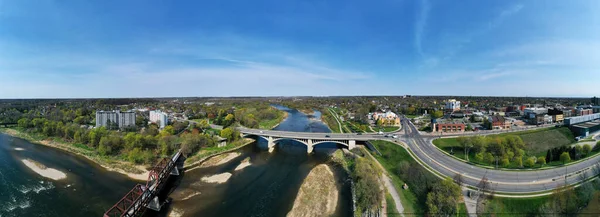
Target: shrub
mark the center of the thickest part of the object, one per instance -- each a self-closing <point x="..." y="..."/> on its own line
<point x="541" y="160"/>
<point x="530" y="162"/>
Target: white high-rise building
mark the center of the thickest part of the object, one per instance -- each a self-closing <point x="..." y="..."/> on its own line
<point x="453" y="105"/>
<point x="120" y="119"/>
<point x="159" y="118"/>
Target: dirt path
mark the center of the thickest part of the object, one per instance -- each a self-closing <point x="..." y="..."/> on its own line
<point x="390" y="187"/>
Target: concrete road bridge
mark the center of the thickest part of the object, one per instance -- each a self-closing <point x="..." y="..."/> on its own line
<point x="309" y="139"/>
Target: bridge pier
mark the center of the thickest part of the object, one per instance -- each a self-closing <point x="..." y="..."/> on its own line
<point x="270" y="144"/>
<point x="309" y="146"/>
<point x="351" y="144"/>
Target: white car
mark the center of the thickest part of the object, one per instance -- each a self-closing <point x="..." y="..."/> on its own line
<point x="395" y="136"/>
<point x="260" y="131"/>
<point x="380" y="133"/>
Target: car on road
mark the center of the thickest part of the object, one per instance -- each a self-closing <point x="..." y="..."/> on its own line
<point x="327" y="136"/>
<point x="380" y="133"/>
<point x="260" y="131"/>
<point x="395" y="136"/>
<point x="359" y="134"/>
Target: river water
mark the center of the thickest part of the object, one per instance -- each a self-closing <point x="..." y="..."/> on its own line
<point x="266" y="188"/>
<point x="88" y="189"/>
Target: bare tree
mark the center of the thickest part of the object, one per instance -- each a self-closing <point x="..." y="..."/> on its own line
<point x="483" y="186"/>
<point x="458" y="179"/>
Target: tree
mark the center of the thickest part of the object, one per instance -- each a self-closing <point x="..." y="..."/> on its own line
<point x="23" y="123"/>
<point x="437" y="114"/>
<point x="227" y="133"/>
<point x="479" y="156"/>
<point x="519" y="161"/>
<point x="489" y="158"/>
<point x="368" y="197"/>
<point x="443" y="199"/>
<point x="169" y="129"/>
<point x="565" y="158"/>
<point x="479" y="144"/>
<point x="466" y="143"/>
<point x="587" y="148"/>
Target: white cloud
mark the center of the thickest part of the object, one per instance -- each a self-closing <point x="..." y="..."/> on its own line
<point x="420" y="25"/>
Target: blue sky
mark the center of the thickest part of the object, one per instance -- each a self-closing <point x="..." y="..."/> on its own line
<point x="311" y="47"/>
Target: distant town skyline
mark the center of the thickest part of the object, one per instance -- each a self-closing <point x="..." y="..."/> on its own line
<point x="102" y="49"/>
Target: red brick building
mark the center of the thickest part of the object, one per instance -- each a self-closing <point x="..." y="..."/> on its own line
<point x="450" y="127"/>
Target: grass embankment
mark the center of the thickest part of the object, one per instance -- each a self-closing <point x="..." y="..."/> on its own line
<point x="510" y="207"/>
<point x="391" y="156"/>
<point x="537" y="142"/>
<point x="205" y="153"/>
<point x="391" y="205"/>
<point x="330" y="121"/>
<point x="111" y="163"/>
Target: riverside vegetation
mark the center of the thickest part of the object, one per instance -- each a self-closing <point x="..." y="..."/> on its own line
<point x="144" y="143"/>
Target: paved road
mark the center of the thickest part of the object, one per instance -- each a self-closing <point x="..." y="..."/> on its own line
<point x="423" y="148"/>
<point x="502" y="181"/>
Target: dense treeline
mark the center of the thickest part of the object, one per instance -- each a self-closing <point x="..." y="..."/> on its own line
<point x="137" y="147"/>
<point x="574" y="153"/>
<point x="500" y="151"/>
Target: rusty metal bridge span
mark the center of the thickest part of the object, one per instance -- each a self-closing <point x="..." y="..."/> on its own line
<point x="145" y="196"/>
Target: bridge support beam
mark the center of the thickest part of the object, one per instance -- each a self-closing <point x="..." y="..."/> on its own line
<point x="351" y="144"/>
<point x="309" y="146"/>
<point x="270" y="144"/>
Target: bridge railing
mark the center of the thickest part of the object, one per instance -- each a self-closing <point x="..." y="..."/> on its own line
<point x="123" y="207"/>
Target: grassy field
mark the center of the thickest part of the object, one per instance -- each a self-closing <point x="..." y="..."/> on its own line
<point x="206" y="152"/>
<point x="508" y="207"/>
<point x="537" y="142"/>
<point x="330" y="121"/>
<point x="393" y="154"/>
<point x="462" y="210"/>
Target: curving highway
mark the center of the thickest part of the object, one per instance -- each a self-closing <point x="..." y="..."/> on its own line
<point x="501" y="180"/>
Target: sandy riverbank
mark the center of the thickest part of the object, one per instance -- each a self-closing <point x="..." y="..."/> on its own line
<point x="245" y="163"/>
<point x="219" y="178"/>
<point x="219" y="159"/>
<point x="116" y="166"/>
<point x="318" y="195"/>
<point x="44" y="171"/>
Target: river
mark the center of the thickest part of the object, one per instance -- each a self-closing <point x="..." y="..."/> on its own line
<point x="268" y="187"/>
<point x="88" y="189"/>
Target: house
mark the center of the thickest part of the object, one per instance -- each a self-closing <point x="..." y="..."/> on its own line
<point x="499" y="122"/>
<point x="387" y="118"/>
<point x="452" y="105"/>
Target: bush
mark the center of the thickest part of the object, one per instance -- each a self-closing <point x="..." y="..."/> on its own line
<point x="504" y="162"/>
<point x="565" y="158"/>
<point x="587" y="148"/>
<point x="489" y="158"/>
<point x="479" y="156"/>
<point x="541" y="161"/>
<point x="530" y="162"/>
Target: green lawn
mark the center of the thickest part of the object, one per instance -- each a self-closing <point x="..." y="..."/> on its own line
<point x="412" y="116"/>
<point x="462" y="210"/>
<point x="387" y="129"/>
<point x="392" y="154"/>
<point x="509" y="207"/>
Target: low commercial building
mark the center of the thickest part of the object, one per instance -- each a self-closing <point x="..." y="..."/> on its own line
<point x="533" y="112"/>
<point x="448" y="126"/>
<point x="581" y="119"/>
<point x="115" y="119"/>
<point x="582" y="111"/>
<point x="584" y="129"/>
<point x="557" y="115"/>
